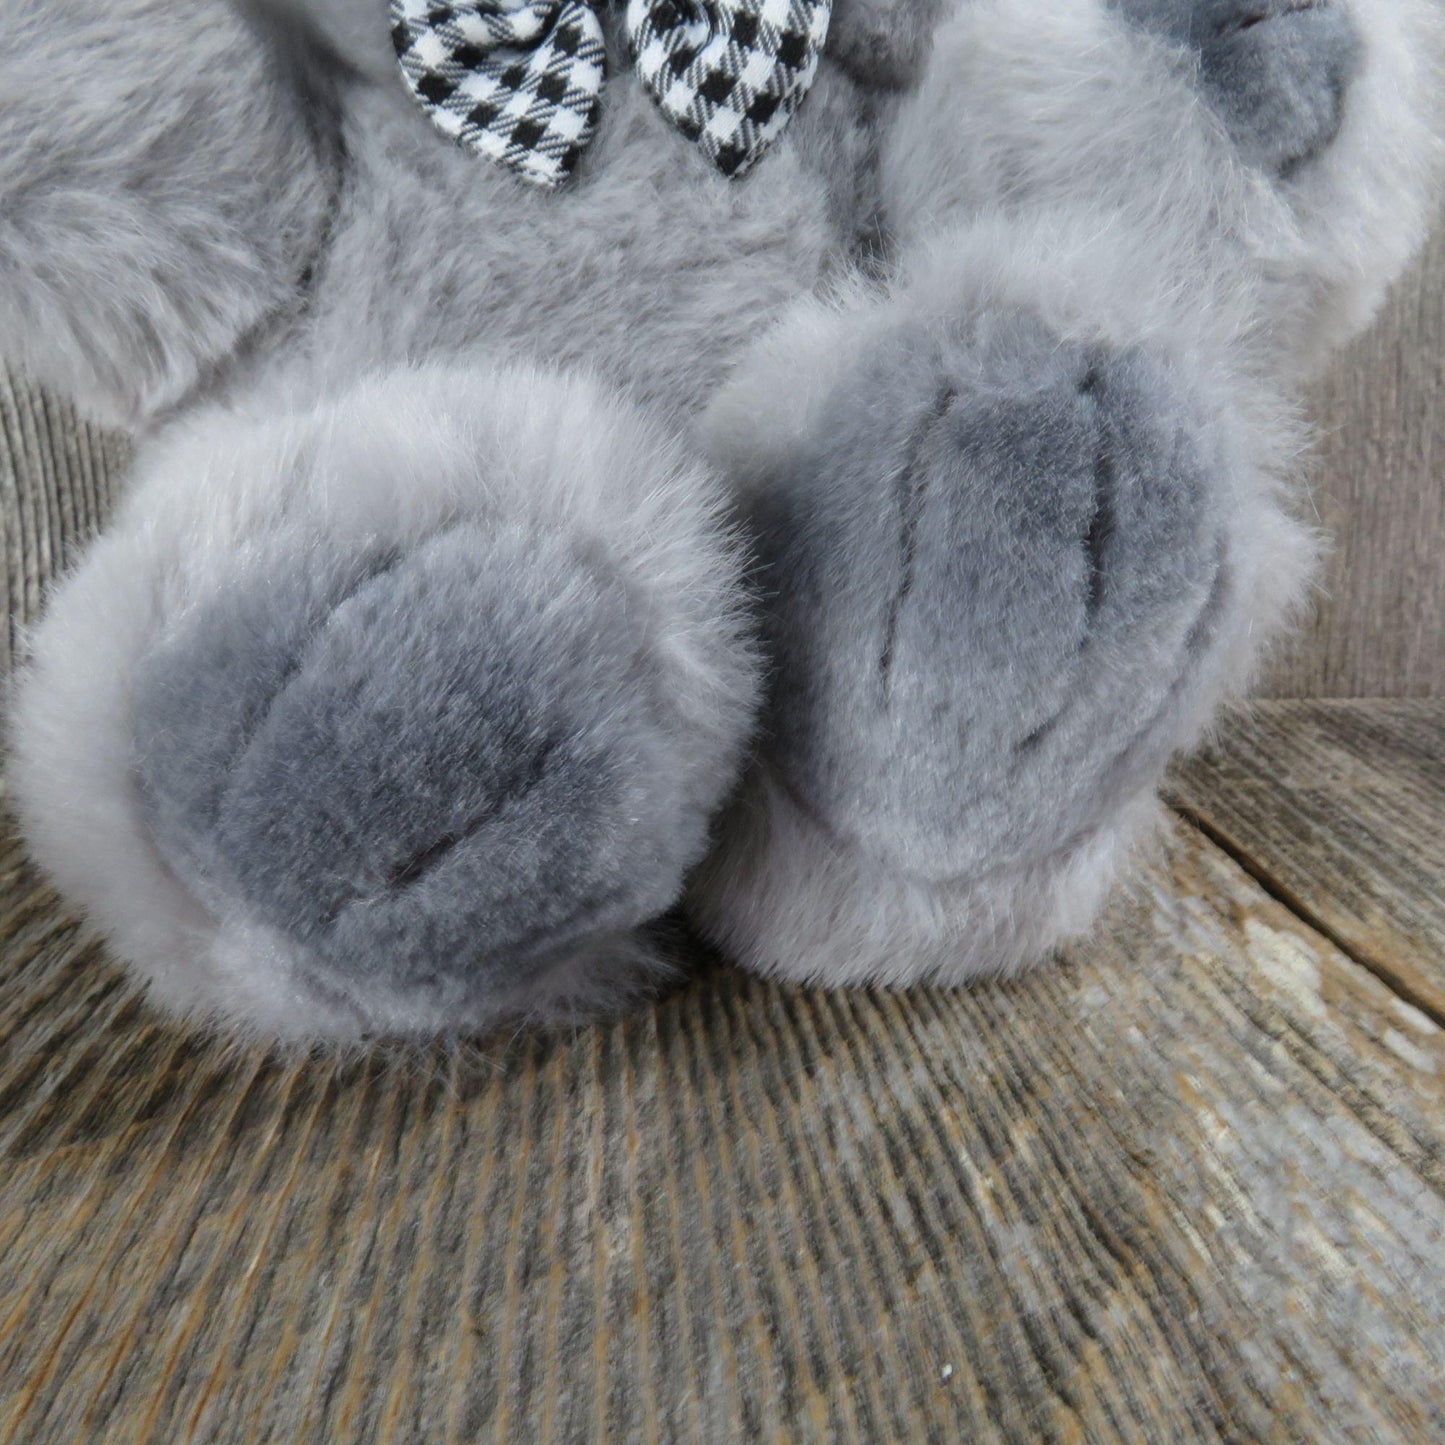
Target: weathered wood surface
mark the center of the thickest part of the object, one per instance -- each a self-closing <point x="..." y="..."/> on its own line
<point x="1378" y="484"/>
<point x="57" y="483"/>
<point x="1190" y="1186"/>
<point x="1339" y="808"/>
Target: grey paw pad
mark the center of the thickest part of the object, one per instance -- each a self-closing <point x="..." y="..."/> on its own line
<point x="993" y="568"/>
<point x="438" y="767"/>
<point x="1276" y="71"/>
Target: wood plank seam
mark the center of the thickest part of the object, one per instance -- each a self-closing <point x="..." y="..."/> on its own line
<point x="1259" y="872"/>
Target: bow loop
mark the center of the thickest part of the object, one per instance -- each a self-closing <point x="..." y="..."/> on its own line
<point x="728" y="73"/>
<point x="519" y="83"/>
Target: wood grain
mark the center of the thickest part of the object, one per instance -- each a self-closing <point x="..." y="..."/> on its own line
<point x="1379" y="491"/>
<point x="1339" y="807"/>
<point x="1188" y="1186"/>
<point x="57" y="485"/>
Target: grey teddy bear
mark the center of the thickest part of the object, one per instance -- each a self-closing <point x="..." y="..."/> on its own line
<point x="837" y="540"/>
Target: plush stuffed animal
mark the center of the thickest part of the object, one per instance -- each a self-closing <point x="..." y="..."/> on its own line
<point x="811" y="463"/>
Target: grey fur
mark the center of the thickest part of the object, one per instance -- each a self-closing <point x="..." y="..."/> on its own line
<point x="453" y="761"/>
<point x="578" y="284"/>
<point x="157" y="210"/>
<point x="883" y="44"/>
<point x="1277" y="71"/>
<point x="836" y="138"/>
<point x="972" y="659"/>
<point x="403" y="693"/>
<point x="428" y="697"/>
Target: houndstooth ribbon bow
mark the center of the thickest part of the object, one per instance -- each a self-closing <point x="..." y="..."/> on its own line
<point x="520" y="81"/>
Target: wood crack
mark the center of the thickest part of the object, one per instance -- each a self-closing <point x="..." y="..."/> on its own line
<point x="1259" y="872"/>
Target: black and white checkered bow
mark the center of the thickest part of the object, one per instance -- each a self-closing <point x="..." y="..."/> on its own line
<point x="520" y="81"/>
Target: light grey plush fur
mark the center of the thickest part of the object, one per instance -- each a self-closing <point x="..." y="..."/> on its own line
<point x="1031" y="107"/>
<point x="1276" y="71"/>
<point x="403" y="693"/>
<point x="1092" y="533"/>
<point x="163" y="190"/>
<point x="428" y="693"/>
<point x="976" y="662"/>
<point x="451" y="760"/>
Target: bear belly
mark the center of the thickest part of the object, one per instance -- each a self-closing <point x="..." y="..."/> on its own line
<point x="649" y="269"/>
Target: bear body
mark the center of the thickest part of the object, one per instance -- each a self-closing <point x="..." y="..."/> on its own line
<point x="841" y="550"/>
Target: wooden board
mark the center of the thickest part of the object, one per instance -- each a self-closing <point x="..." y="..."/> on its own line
<point x="57" y="484"/>
<point x="1189" y="1186"/>
<point x="1378" y="489"/>
<point x="1339" y="808"/>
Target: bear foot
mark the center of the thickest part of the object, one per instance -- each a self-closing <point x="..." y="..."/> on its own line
<point x="394" y="729"/>
<point x="1009" y="571"/>
<point x="441" y="776"/>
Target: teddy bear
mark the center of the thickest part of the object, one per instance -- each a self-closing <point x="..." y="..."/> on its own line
<point x="807" y="464"/>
